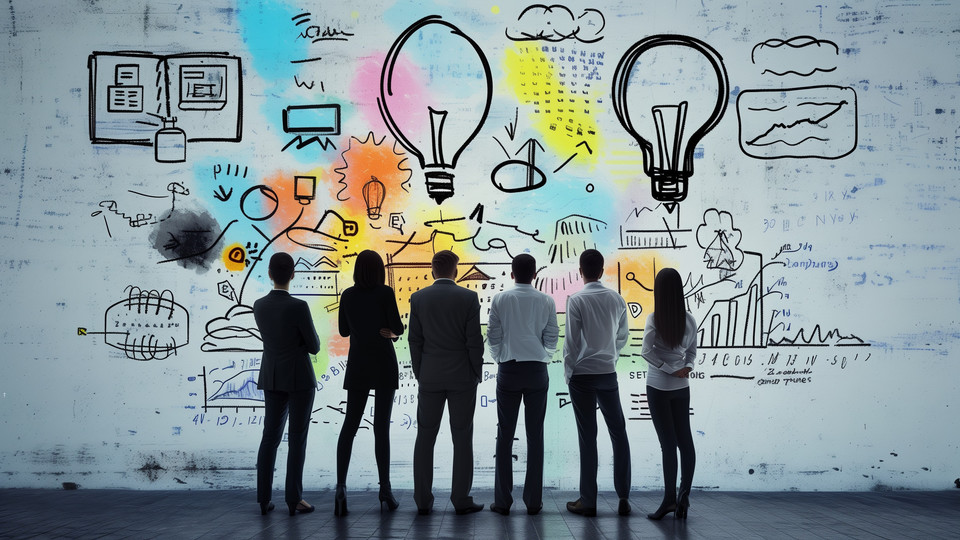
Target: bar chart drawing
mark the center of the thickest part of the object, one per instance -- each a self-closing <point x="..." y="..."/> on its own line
<point x="737" y="322"/>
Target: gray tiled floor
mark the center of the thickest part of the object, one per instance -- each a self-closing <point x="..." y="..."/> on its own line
<point x="33" y="513"/>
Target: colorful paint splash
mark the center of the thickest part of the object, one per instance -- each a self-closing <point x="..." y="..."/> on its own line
<point x="560" y="90"/>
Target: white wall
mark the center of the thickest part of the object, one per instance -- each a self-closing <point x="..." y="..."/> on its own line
<point x="855" y="237"/>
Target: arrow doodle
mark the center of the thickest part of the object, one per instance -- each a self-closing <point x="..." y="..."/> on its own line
<point x="222" y="194"/>
<point x="509" y="181"/>
<point x="512" y="127"/>
<point x="582" y="143"/>
<point x="172" y="244"/>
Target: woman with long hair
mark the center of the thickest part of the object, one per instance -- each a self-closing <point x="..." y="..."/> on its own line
<point x="369" y="316"/>
<point x="670" y="348"/>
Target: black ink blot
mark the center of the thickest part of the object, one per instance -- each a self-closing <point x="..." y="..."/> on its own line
<point x="192" y="239"/>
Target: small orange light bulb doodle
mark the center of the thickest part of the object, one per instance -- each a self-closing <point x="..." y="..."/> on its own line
<point x="234" y="258"/>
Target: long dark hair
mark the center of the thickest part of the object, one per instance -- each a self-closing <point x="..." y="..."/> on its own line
<point x="368" y="270"/>
<point x="669" y="308"/>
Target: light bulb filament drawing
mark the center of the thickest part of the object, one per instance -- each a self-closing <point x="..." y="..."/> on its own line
<point x="373" y="193"/>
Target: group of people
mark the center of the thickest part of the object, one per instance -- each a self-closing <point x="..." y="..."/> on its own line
<point x="446" y="356"/>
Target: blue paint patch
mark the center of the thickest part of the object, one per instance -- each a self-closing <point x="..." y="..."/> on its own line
<point x="403" y="14"/>
<point x="275" y="48"/>
<point x="270" y="36"/>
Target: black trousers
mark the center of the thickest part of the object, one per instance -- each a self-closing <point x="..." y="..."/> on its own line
<point x="670" y="412"/>
<point x="516" y="382"/>
<point x="586" y="392"/>
<point x="356" y="403"/>
<point x="430" y="403"/>
<point x="278" y="406"/>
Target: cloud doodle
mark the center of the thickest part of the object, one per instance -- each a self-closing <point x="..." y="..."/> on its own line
<point x="557" y="23"/>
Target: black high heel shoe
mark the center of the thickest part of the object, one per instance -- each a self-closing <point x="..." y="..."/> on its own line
<point x="683" y="503"/>
<point x="266" y="507"/>
<point x="665" y="508"/>
<point x="340" y="501"/>
<point x="386" y="496"/>
<point x="301" y="507"/>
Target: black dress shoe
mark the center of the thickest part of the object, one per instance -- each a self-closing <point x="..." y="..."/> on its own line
<point x="534" y="511"/>
<point x="665" y="508"/>
<point x="300" y="508"/>
<point x="266" y="507"/>
<point x="577" y="507"/>
<point x="475" y="507"/>
<point x="500" y="510"/>
<point x="624" y="508"/>
<point x="424" y="511"/>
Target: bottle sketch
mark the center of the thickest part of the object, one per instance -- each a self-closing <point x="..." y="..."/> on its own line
<point x="170" y="142"/>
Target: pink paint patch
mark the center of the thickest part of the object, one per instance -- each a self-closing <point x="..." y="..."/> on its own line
<point x="409" y="106"/>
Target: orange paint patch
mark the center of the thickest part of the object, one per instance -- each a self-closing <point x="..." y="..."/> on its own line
<point x="338" y="346"/>
<point x="287" y="205"/>
<point x="374" y="179"/>
<point x="637" y="274"/>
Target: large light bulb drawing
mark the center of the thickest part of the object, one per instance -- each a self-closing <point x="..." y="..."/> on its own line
<point x="668" y="92"/>
<point x="438" y="113"/>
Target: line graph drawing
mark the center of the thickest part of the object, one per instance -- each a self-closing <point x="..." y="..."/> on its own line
<point x="809" y="122"/>
<point x="241" y="386"/>
<point x="642" y="229"/>
<point x="817" y="338"/>
<point x="234" y="391"/>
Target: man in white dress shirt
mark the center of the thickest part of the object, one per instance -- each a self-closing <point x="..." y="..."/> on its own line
<point x="596" y="330"/>
<point x="522" y="335"/>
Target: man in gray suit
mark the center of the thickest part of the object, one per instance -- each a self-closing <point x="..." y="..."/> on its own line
<point x="446" y="353"/>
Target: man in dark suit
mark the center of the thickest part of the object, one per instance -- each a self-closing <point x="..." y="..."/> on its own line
<point x="288" y="383"/>
<point x="446" y="353"/>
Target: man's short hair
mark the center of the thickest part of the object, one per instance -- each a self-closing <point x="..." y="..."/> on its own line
<point x="281" y="268"/>
<point x="591" y="264"/>
<point x="444" y="264"/>
<point x="524" y="267"/>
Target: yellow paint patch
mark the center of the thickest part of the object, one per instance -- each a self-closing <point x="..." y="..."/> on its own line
<point x="495" y="10"/>
<point x="560" y="85"/>
<point x="234" y="257"/>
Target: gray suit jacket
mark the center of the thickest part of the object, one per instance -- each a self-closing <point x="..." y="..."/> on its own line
<point x="289" y="337"/>
<point x="446" y="347"/>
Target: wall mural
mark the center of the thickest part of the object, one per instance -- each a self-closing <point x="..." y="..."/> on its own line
<point x="798" y="185"/>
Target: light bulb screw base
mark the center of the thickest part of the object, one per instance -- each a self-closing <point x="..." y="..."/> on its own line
<point x="439" y="185"/>
<point x="668" y="185"/>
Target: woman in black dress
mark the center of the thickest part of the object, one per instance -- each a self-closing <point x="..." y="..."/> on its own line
<point x="369" y="316"/>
